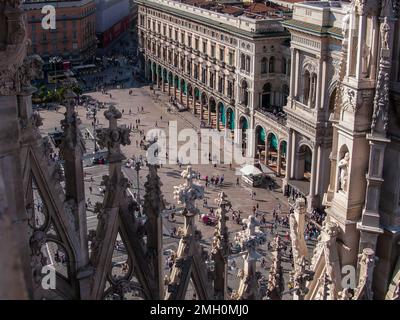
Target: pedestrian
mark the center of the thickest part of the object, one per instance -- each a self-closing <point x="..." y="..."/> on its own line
<point x="90" y="190"/>
<point x="237" y="181"/>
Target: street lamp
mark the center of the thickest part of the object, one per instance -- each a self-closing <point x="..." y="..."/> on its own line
<point x="54" y="60"/>
<point x="138" y="165"/>
<point x="94" y="128"/>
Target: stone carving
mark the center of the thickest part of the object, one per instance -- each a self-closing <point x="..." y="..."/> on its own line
<point x="367" y="265"/>
<point x="299" y="278"/>
<point x="13" y="81"/>
<point x="248" y="240"/>
<point x="385" y="28"/>
<point x="112" y="137"/>
<point x="220" y="240"/>
<point x="297" y="221"/>
<point x="344" y="294"/>
<point x="345" y="24"/>
<point x="189" y="192"/>
<point x="38" y="260"/>
<point x="310" y="65"/>
<point x="396" y="8"/>
<point x="343" y="166"/>
<point x="360" y="6"/>
<point x="332" y="266"/>
<point x="381" y="100"/>
<point x="366" y="53"/>
<point x="72" y="136"/>
<point x="276" y="285"/>
<point x="349" y="99"/>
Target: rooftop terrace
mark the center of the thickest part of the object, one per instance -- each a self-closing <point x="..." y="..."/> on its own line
<point x="251" y="18"/>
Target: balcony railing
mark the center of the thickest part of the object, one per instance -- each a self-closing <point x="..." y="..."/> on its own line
<point x="230" y="68"/>
<point x="274" y="113"/>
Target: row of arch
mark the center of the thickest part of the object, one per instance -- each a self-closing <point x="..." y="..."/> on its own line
<point x="212" y="110"/>
<point x="269" y="149"/>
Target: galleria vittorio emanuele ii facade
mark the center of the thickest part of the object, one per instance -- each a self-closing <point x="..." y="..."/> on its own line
<point x="311" y="92"/>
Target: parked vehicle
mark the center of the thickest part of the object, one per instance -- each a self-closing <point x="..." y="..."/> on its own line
<point x="209" y="219"/>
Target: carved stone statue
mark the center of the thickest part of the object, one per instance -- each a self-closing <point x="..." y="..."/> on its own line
<point x="187" y="193"/>
<point x="345" y="24"/>
<point x="366" y="53"/>
<point x="385" y="28"/>
<point x="297" y="225"/>
<point x="343" y="172"/>
<point x="367" y="265"/>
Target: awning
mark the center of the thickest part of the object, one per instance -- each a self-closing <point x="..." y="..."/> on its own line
<point x="250" y="170"/>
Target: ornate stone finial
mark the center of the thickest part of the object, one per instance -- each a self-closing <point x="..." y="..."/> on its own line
<point x="113" y="137"/>
<point x="153" y="199"/>
<point x="220" y="240"/>
<point x="248" y="240"/>
<point x="380" y="117"/>
<point x="300" y="277"/>
<point x="275" y="285"/>
<point x="188" y="192"/>
<point x="112" y="113"/>
<point x="72" y="136"/>
<point x="222" y="200"/>
<point x="367" y="265"/>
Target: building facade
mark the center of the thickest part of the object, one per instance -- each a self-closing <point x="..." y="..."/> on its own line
<point x="229" y="64"/>
<point x="113" y="18"/>
<point x="343" y="120"/>
<point x="74" y="36"/>
<point x="315" y="49"/>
